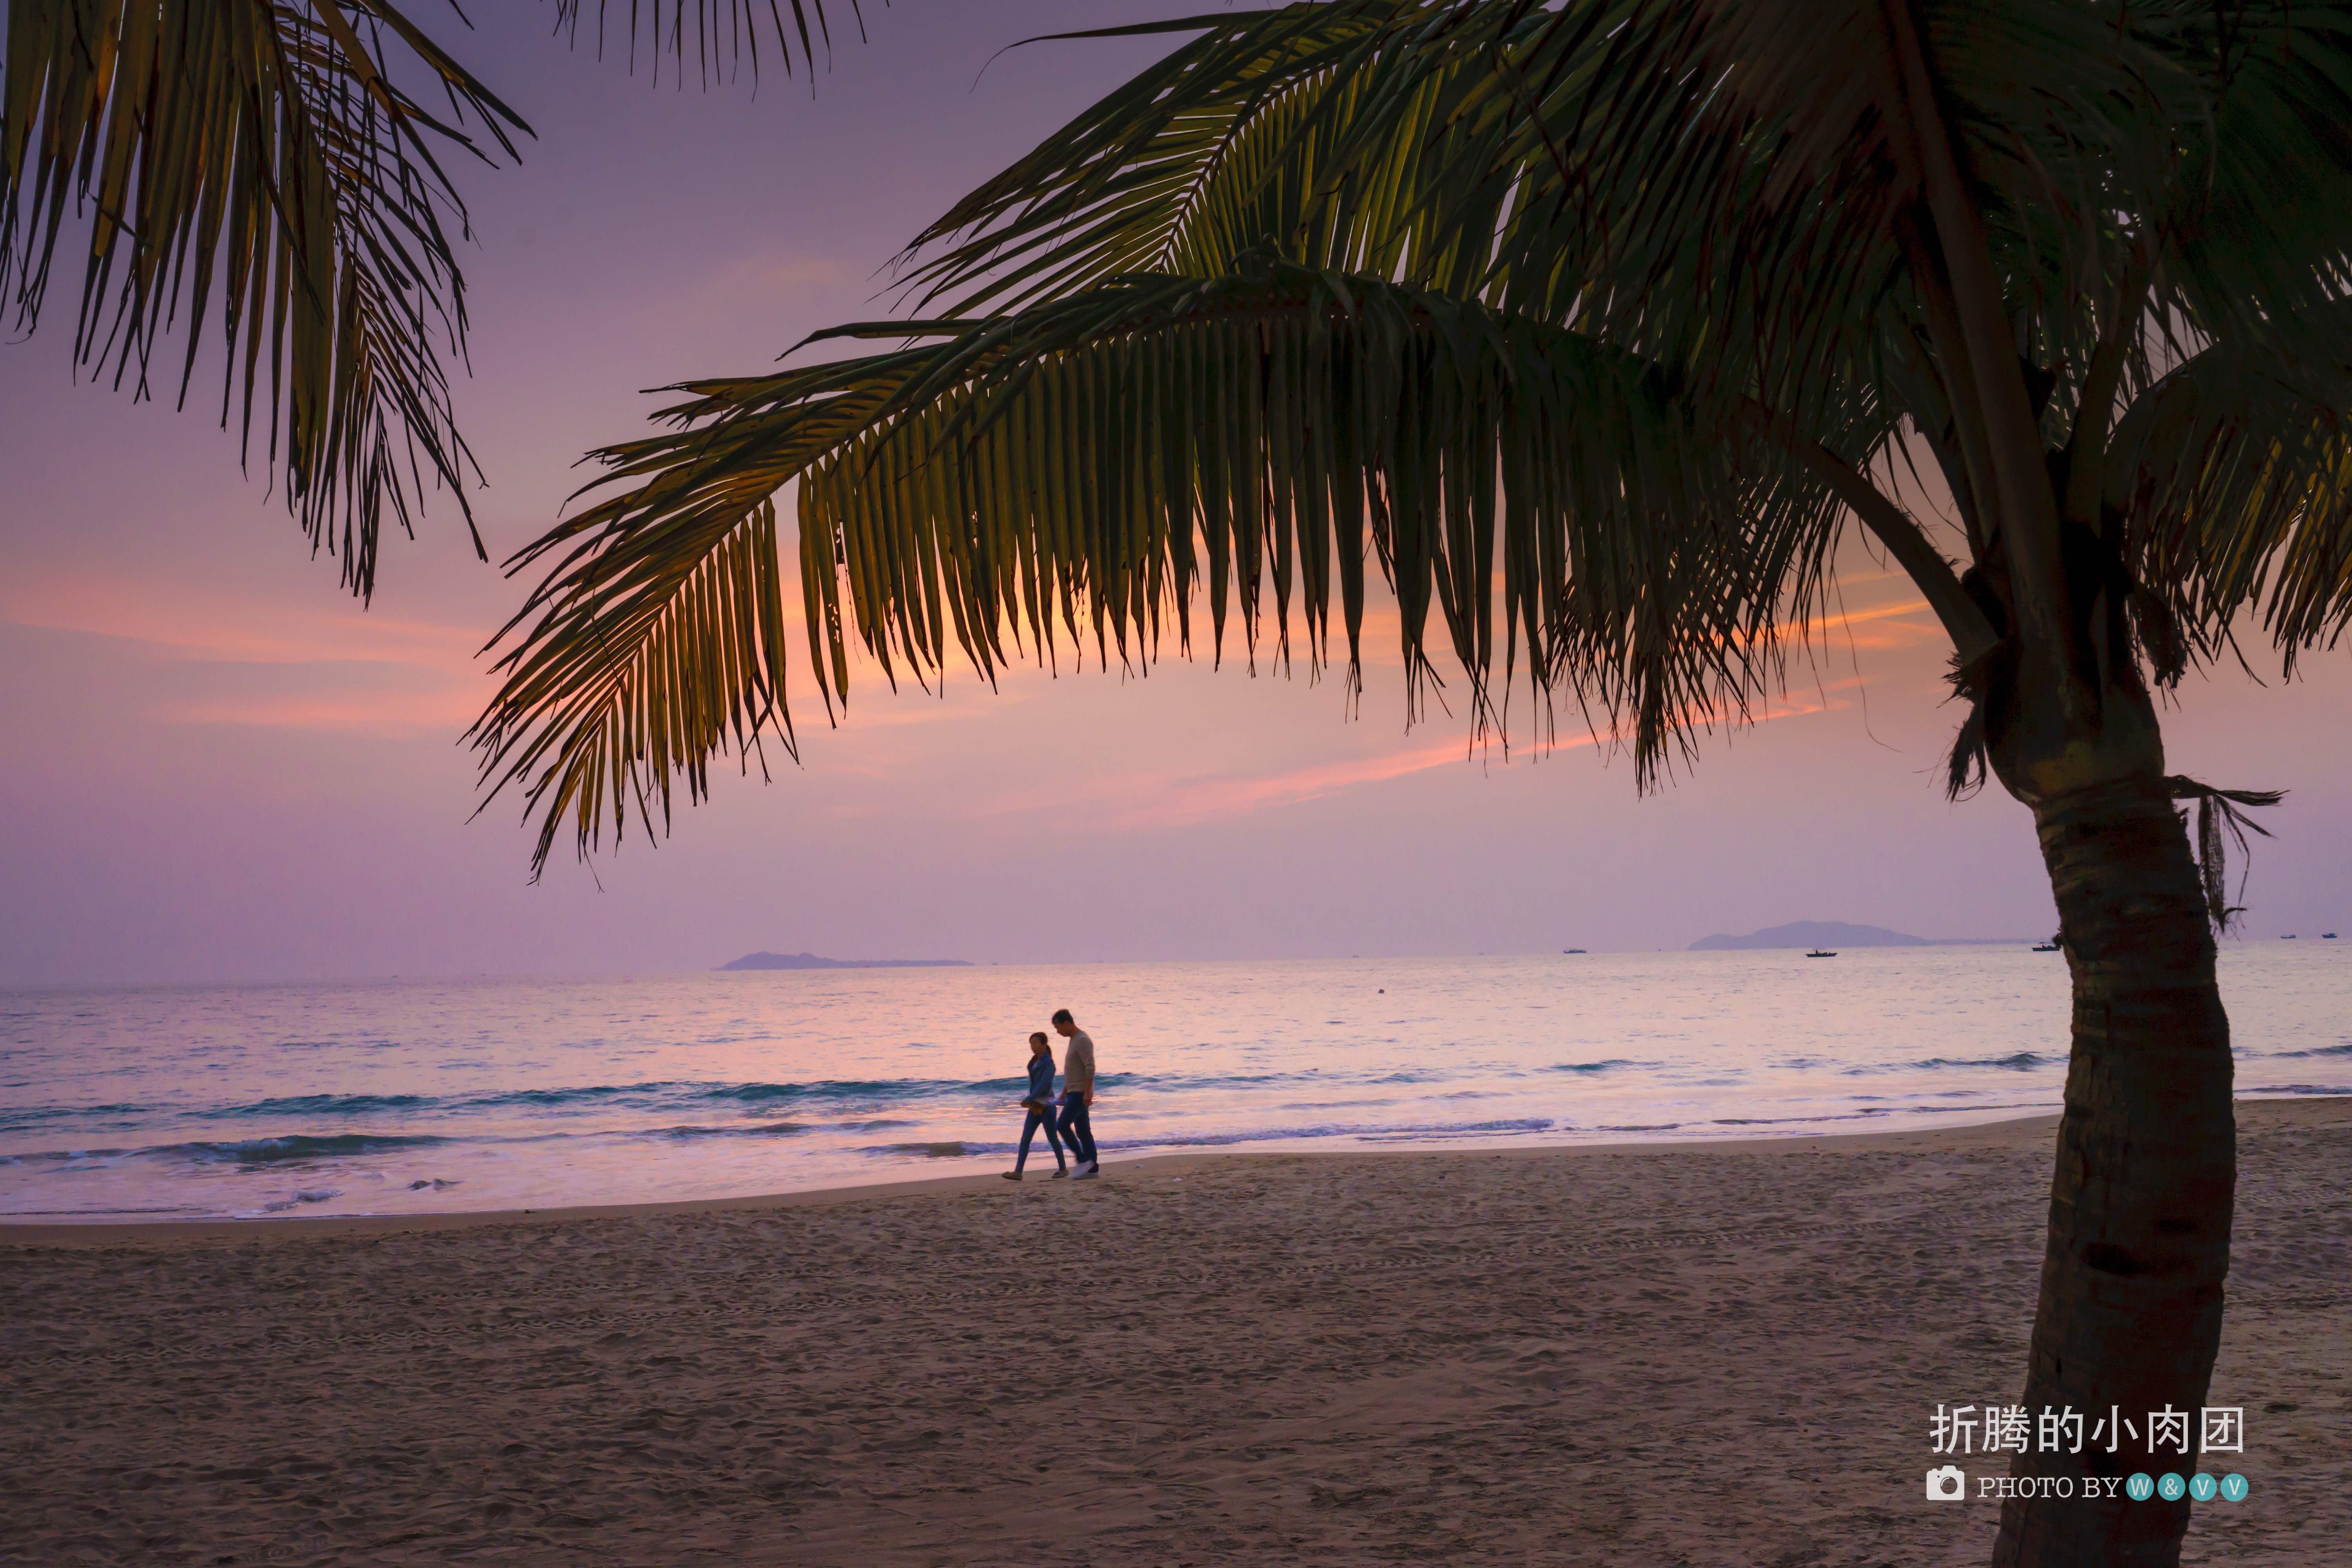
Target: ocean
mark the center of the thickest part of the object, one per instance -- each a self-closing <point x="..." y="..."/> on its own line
<point x="431" y="1095"/>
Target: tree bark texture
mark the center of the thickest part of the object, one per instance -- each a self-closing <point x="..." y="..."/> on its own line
<point x="2139" y="1248"/>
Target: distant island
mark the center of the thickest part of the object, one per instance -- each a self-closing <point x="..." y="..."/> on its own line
<point x="1837" y="933"/>
<point x="811" y="961"/>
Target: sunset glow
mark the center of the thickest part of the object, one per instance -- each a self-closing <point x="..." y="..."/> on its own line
<point x="191" y="690"/>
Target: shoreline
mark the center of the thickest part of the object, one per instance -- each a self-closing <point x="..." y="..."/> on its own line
<point x="37" y="1233"/>
<point x="117" y="1232"/>
<point x="1724" y="1354"/>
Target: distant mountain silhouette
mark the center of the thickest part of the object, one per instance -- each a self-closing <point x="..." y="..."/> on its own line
<point x="1836" y="933"/>
<point x="811" y="961"/>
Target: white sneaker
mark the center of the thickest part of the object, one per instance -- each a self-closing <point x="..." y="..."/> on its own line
<point x="1091" y="1173"/>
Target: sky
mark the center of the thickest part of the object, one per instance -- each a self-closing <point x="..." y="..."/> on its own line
<point x="220" y="768"/>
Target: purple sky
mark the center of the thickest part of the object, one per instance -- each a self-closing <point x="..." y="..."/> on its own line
<point x="220" y="768"/>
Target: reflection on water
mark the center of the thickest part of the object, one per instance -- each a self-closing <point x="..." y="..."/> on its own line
<point x="415" y="1096"/>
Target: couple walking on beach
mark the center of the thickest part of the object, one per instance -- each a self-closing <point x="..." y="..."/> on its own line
<point x="1065" y="1123"/>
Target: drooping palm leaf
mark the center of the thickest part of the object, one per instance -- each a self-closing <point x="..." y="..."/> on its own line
<point x="263" y="159"/>
<point x="718" y="38"/>
<point x="1097" y="460"/>
<point x="2256" y="220"/>
<point x="2235" y="472"/>
<point x="272" y="162"/>
<point x="674" y="650"/>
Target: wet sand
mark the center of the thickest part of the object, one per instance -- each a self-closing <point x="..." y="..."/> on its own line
<point x="1725" y="1353"/>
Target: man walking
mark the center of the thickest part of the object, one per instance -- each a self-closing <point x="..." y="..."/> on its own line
<point x="1077" y="1093"/>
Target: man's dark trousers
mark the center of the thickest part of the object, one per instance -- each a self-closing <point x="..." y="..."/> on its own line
<point x="1077" y="1136"/>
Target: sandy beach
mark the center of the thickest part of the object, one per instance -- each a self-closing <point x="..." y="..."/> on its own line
<point x="1726" y="1354"/>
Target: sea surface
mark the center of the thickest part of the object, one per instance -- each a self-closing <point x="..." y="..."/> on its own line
<point x="416" y="1096"/>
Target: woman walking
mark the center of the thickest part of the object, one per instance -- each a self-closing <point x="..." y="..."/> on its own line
<point x="1039" y="1102"/>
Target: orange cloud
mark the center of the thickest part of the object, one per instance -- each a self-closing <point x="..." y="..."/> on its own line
<point x="1885" y="627"/>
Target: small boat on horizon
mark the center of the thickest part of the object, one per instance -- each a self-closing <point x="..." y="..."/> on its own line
<point x="1566" y="949"/>
<point x="2045" y="947"/>
<point x="2327" y="936"/>
<point x="1818" y="952"/>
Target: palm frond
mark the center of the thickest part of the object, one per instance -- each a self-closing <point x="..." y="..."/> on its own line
<point x="2217" y="815"/>
<point x="1732" y="181"/>
<point x="1215" y="149"/>
<point x="719" y="38"/>
<point x="262" y="158"/>
<point x="1673" y="175"/>
<point x="1355" y="135"/>
<point x="1094" y="463"/>
<point x="2258" y="217"/>
<point x="653" y="659"/>
<point x="2235" y="472"/>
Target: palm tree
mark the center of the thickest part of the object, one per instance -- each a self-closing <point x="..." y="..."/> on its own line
<point x="1615" y="311"/>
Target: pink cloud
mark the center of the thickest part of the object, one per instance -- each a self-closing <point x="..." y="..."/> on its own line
<point x="1143" y="801"/>
<point x="1191" y="801"/>
<point x="212" y="626"/>
<point x="1134" y="800"/>
<point x="351" y="671"/>
<point x="445" y="711"/>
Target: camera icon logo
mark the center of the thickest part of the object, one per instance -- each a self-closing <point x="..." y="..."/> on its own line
<point x="1947" y="1481"/>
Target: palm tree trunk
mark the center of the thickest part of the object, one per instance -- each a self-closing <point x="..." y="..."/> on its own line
<point x="2130" y="1314"/>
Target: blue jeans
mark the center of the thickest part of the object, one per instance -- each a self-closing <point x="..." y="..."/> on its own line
<point x="1029" y="1129"/>
<point x="1076" y="1132"/>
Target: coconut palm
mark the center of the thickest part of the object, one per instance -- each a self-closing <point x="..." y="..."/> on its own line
<point x="273" y="159"/>
<point x="1617" y="312"/>
<point x="1611" y="315"/>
